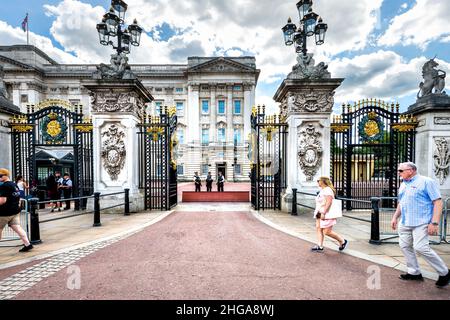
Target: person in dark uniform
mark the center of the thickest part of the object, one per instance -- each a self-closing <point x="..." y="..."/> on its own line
<point x="209" y="182"/>
<point x="220" y="182"/>
<point x="66" y="187"/>
<point x="198" y="182"/>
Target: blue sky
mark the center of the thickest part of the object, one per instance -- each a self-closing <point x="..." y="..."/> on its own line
<point x="378" y="46"/>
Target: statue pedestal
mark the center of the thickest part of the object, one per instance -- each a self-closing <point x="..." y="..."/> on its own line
<point x="117" y="108"/>
<point x="308" y="105"/>
<point x="432" y="155"/>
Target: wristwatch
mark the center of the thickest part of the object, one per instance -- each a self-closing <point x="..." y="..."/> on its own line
<point x="435" y="223"/>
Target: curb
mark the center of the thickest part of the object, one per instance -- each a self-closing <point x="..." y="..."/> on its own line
<point x="357" y="254"/>
<point x="126" y="233"/>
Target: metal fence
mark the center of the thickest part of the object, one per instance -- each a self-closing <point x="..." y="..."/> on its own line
<point x="380" y="217"/>
<point x="446" y="225"/>
<point x="8" y="234"/>
<point x="34" y="204"/>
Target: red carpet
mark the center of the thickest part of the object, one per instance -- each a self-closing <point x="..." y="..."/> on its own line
<point x="226" y="196"/>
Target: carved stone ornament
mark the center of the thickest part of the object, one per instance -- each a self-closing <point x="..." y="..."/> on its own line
<point x="433" y="79"/>
<point x="306" y="69"/>
<point x="113" y="150"/>
<point x="441" y="159"/>
<point x="312" y="101"/>
<point x="309" y="151"/>
<point x="109" y="101"/>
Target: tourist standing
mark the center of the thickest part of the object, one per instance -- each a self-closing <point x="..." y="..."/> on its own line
<point x="22" y="185"/>
<point x="53" y="192"/>
<point x="419" y="209"/>
<point x="10" y="209"/>
<point x="324" y="226"/>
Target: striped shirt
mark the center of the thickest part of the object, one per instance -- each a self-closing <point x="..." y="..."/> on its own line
<point x="416" y="198"/>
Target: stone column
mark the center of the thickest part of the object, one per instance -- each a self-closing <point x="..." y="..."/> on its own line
<point x="117" y="108"/>
<point x="307" y="104"/>
<point x="247" y="105"/>
<point x="192" y="111"/>
<point x="213" y="112"/>
<point x="432" y="154"/>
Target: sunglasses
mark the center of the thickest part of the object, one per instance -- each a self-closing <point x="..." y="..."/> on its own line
<point x="401" y="170"/>
<point x="2" y="175"/>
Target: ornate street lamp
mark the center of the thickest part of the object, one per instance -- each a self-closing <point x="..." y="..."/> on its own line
<point x="310" y="24"/>
<point x="112" y="25"/>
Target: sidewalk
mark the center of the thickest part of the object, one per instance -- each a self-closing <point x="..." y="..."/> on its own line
<point x="357" y="233"/>
<point x="67" y="234"/>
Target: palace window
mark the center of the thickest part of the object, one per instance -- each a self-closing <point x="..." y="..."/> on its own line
<point x="180" y="169"/>
<point x="237" y="136"/>
<point x="205" y="106"/>
<point x="221" y="107"/>
<point x="205" y="169"/>
<point x="24" y="98"/>
<point x="205" y="136"/>
<point x="237" y="107"/>
<point x="179" y="90"/>
<point x="237" y="88"/>
<point x="221" y="135"/>
<point x="180" y="108"/>
<point x="237" y="169"/>
<point x="158" y="105"/>
<point x="180" y="135"/>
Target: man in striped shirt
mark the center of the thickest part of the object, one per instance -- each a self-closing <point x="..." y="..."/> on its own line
<point x="419" y="209"/>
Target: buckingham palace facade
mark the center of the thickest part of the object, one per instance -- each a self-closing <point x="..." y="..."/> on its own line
<point x="213" y="97"/>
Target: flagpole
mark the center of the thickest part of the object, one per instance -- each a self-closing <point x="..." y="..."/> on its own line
<point x="27" y="30"/>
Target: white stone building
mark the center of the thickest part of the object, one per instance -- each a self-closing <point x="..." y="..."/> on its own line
<point x="213" y="96"/>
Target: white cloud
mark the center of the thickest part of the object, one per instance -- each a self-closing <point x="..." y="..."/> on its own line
<point x="213" y="27"/>
<point x="11" y="36"/>
<point x="425" y="22"/>
<point x="272" y="107"/>
<point x="381" y="75"/>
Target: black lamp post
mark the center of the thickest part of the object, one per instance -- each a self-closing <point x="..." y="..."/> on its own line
<point x="111" y="26"/>
<point x="310" y="24"/>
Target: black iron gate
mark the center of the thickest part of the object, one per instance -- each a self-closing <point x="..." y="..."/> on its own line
<point x="268" y="159"/>
<point x="368" y="141"/>
<point x="59" y="125"/>
<point x="157" y="154"/>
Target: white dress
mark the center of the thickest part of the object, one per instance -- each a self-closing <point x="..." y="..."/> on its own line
<point x="320" y="206"/>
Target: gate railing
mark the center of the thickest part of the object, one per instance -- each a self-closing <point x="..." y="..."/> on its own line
<point x="34" y="203"/>
<point x="380" y="217"/>
<point x="268" y="149"/>
<point x="8" y="234"/>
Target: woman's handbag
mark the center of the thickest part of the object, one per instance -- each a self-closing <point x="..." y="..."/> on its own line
<point x="335" y="210"/>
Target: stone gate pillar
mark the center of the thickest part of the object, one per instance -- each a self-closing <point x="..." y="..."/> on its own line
<point x="117" y="107"/>
<point x="432" y="154"/>
<point x="307" y="99"/>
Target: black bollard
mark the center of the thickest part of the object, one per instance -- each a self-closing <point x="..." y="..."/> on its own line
<point x="375" y="221"/>
<point x="294" y="202"/>
<point x="97" y="222"/>
<point x="127" y="202"/>
<point x="35" y="234"/>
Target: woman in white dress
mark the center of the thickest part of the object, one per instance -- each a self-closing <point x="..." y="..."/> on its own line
<point x="22" y="185"/>
<point x="324" y="226"/>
